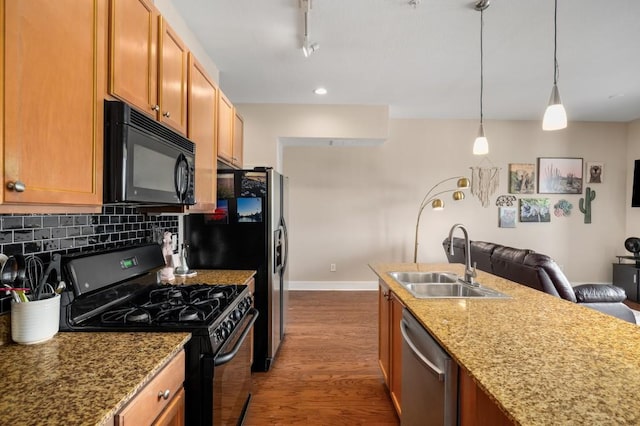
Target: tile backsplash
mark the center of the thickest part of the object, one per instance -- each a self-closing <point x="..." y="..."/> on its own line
<point x="115" y="226"/>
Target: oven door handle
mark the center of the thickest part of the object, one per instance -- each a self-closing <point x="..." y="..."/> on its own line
<point x="226" y="357"/>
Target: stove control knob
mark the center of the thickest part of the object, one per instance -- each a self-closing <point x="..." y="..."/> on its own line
<point x="237" y="314"/>
<point x="224" y="333"/>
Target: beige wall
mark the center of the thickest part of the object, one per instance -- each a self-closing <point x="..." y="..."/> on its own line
<point x="355" y="205"/>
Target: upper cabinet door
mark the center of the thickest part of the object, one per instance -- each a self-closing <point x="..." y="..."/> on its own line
<point x="203" y="101"/>
<point x="173" y="78"/>
<point x="238" y="139"/>
<point x="133" y="71"/>
<point x="225" y="128"/>
<point x="53" y="75"/>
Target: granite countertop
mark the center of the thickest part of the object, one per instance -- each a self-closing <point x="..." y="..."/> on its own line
<point x="543" y="360"/>
<point x="80" y="378"/>
<point x="217" y="276"/>
<point x="85" y="378"/>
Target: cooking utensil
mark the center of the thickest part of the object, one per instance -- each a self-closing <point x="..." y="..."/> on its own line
<point x="34" y="271"/>
<point x="53" y="267"/>
<point x="13" y="271"/>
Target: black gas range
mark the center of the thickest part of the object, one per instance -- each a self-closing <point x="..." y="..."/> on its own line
<point x="118" y="290"/>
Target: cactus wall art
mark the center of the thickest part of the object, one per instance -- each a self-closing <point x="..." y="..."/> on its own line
<point x="585" y="204"/>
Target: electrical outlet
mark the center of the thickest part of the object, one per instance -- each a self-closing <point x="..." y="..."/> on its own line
<point x="332" y="267"/>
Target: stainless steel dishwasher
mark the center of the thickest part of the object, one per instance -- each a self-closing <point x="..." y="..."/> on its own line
<point x="429" y="378"/>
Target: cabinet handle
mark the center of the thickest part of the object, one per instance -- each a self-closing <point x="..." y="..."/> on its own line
<point x="16" y="186"/>
<point x="155" y="108"/>
<point x="164" y="395"/>
<point x="167" y="114"/>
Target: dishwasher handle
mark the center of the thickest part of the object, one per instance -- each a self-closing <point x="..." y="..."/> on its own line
<point x="425" y="360"/>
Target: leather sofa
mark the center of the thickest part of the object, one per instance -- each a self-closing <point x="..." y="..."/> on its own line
<point x="542" y="273"/>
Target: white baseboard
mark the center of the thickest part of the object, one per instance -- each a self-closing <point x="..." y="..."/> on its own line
<point x="333" y="285"/>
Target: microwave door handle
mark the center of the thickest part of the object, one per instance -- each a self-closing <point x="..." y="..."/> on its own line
<point x="180" y="174"/>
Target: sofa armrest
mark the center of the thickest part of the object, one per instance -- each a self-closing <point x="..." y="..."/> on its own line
<point x="593" y="293"/>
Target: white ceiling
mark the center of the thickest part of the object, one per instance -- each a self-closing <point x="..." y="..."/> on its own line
<point x="424" y="61"/>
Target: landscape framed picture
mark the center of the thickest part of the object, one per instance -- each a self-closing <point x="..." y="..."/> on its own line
<point x="559" y="175"/>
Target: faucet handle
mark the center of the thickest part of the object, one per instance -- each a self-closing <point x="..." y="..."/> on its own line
<point x="473" y="270"/>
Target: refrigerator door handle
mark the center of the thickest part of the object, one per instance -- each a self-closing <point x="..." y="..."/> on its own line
<point x="285" y="243"/>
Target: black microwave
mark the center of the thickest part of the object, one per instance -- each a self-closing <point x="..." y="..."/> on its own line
<point x="145" y="162"/>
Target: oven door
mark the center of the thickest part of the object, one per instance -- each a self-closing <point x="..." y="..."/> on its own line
<point x="231" y="376"/>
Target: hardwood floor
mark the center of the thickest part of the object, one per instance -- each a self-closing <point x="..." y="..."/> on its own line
<point x="326" y="370"/>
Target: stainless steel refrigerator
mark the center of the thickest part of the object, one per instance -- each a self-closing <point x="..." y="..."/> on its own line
<point x="248" y="230"/>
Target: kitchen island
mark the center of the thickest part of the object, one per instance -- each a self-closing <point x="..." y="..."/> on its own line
<point x="540" y="359"/>
<point x="85" y="378"/>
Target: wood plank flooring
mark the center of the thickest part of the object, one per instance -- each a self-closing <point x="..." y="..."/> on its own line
<point x="326" y="370"/>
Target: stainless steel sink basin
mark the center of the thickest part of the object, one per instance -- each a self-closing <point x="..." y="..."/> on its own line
<point x="434" y="285"/>
<point x="424" y="277"/>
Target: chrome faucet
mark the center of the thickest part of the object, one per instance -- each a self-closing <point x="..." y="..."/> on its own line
<point x="469" y="272"/>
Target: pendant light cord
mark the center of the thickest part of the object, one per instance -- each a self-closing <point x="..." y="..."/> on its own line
<point x="481" y="63"/>
<point x="555" y="43"/>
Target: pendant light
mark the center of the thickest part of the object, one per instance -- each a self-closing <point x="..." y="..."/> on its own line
<point x="555" y="117"/>
<point x="481" y="145"/>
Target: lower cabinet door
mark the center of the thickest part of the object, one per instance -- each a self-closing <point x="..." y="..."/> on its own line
<point x="173" y="414"/>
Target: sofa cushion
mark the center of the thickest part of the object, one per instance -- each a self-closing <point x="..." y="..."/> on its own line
<point x="552" y="279"/>
<point x="590" y="293"/>
<point x="458" y="250"/>
<point x="481" y="252"/>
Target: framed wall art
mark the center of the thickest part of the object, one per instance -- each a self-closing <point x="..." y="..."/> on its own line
<point x="507" y="217"/>
<point x="534" y="210"/>
<point x="522" y="178"/>
<point x="560" y="175"/>
<point x="595" y="171"/>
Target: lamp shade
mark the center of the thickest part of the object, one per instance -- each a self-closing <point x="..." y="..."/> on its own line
<point x="458" y="195"/>
<point x="463" y="183"/>
<point x="437" y="204"/>
<point x="481" y="145"/>
<point x="555" y="116"/>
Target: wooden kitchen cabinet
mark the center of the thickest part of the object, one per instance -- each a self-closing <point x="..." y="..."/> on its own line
<point x="225" y="128"/>
<point x="475" y="407"/>
<point x="384" y="336"/>
<point x="390" y="343"/>
<point x="173" y="414"/>
<point x="203" y="101"/>
<point x="148" y="62"/>
<point x="53" y="75"/>
<point x="161" y="401"/>
<point x="238" y="139"/>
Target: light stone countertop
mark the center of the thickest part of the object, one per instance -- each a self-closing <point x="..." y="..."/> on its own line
<point x="543" y="360"/>
<point x="85" y="378"/>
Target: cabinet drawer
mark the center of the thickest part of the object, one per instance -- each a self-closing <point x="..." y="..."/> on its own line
<point x="149" y="402"/>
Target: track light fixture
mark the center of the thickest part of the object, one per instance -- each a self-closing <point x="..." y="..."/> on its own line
<point x="308" y="47"/>
<point x="555" y="116"/>
<point x="481" y="145"/>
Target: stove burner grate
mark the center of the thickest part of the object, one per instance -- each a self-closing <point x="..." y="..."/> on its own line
<point x="191" y="304"/>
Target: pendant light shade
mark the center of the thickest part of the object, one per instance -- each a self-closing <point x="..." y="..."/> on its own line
<point x="481" y="144"/>
<point x="555" y="116"/>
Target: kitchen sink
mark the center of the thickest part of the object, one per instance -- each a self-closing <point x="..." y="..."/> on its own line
<point x="434" y="285"/>
<point x="424" y="277"/>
